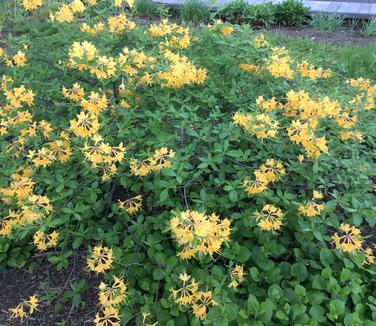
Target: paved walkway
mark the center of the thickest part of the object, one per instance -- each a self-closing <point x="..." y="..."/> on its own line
<point x="347" y="8"/>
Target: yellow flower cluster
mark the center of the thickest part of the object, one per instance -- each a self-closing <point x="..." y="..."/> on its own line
<point x="199" y="234"/>
<point x="100" y="260"/>
<point x="308" y="70"/>
<point x="180" y="72"/>
<point x="160" y="160"/>
<point x="25" y="308"/>
<point x="237" y="276"/>
<point x="279" y="64"/>
<point x="31" y="4"/>
<point x="66" y="12"/>
<point x="250" y="68"/>
<point x="368" y="91"/>
<point x="269" y="172"/>
<point x="175" y="36"/>
<point x="98" y="27"/>
<point x="44" y="241"/>
<point x="85" y="56"/>
<point x="17" y="60"/>
<point x="189" y="295"/>
<point x="349" y="239"/>
<point x="260" y="125"/>
<point x="270" y="218"/>
<point x="267" y="105"/>
<point x="311" y="208"/>
<point x="29" y="207"/>
<point x="118" y="24"/>
<point x="103" y="156"/>
<point x="131" y="205"/>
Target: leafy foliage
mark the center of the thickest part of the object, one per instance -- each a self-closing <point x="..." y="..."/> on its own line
<point x="291" y="12"/>
<point x="179" y="171"/>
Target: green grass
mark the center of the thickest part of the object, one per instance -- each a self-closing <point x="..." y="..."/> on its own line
<point x="349" y="60"/>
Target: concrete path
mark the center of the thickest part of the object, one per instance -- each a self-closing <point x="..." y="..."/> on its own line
<point x="347" y="8"/>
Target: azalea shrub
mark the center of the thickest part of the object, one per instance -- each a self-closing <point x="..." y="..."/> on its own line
<point x="210" y="176"/>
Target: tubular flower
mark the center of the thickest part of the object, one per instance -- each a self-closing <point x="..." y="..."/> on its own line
<point x="279" y="64"/>
<point x="180" y="72"/>
<point x="114" y="295"/>
<point x="250" y="68"/>
<point x="270" y="218"/>
<point x="118" y="24"/>
<point x="269" y="172"/>
<point x="19" y="59"/>
<point x="203" y="300"/>
<point x="31" y="4"/>
<point x="44" y="241"/>
<point x="42" y="157"/>
<point x="86" y="124"/>
<point x="260" y="125"/>
<point x="226" y="30"/>
<point x="109" y="317"/>
<point x="185" y="295"/>
<point x="308" y="70"/>
<point x="267" y="105"/>
<point x="311" y="208"/>
<point x="75" y="93"/>
<point x="25" y="308"/>
<point x="160" y="160"/>
<point x="349" y="239"/>
<point x="94" y="104"/>
<point x="131" y="205"/>
<point x="199" y="234"/>
<point x="100" y="260"/>
<point x="92" y="30"/>
<point x="61" y="150"/>
<point x="82" y="53"/>
<point x="237" y="276"/>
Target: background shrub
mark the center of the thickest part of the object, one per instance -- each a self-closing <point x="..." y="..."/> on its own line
<point x="291" y="12"/>
<point x="261" y="15"/>
<point x="195" y="11"/>
<point x="327" y="22"/>
<point x="147" y="8"/>
<point x="235" y="12"/>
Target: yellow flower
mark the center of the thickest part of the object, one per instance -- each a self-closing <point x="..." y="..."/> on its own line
<point x="131" y="205"/>
<point x="237" y="276"/>
<point x="118" y="24"/>
<point x="114" y="295"/>
<point x="42" y="157"/>
<point x="64" y="15"/>
<point x="203" y="299"/>
<point x="185" y="295"/>
<point x="77" y="6"/>
<point x="86" y="124"/>
<point x="75" y="93"/>
<point x="100" y="260"/>
<point x="25" y="308"/>
<point x="95" y="103"/>
<point x="250" y="68"/>
<point x="31" y="4"/>
<point x="349" y="240"/>
<point x="20" y="59"/>
<point x="110" y="317"/>
<point x="44" y="241"/>
<point x="199" y="234"/>
<point x="270" y="218"/>
<point x="311" y="208"/>
<point x="226" y="30"/>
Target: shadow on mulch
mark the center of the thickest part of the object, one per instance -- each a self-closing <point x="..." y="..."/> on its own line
<point x="53" y="286"/>
<point x="341" y="37"/>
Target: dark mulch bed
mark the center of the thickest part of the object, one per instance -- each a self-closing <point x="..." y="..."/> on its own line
<point x="53" y="286"/>
<point x="341" y="37"/>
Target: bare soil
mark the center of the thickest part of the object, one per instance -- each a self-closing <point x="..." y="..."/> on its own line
<point x="341" y="37"/>
<point x="53" y="289"/>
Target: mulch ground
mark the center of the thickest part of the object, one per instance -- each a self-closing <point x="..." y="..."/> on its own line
<point x="341" y="37"/>
<point x="53" y="288"/>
